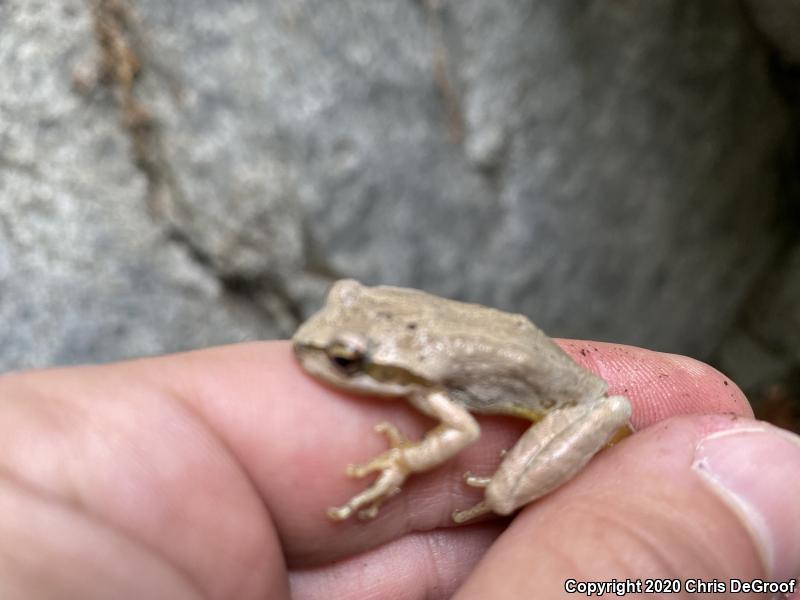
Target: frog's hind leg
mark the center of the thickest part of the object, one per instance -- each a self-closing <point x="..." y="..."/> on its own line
<point x="549" y="453"/>
<point x="456" y="430"/>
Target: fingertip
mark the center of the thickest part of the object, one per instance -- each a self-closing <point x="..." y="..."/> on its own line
<point x="753" y="468"/>
<point x="659" y="385"/>
<point x="641" y="510"/>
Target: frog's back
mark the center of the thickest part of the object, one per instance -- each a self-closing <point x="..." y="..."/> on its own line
<point x="491" y="361"/>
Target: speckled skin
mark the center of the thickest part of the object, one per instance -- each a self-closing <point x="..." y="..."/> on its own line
<point x="450" y="359"/>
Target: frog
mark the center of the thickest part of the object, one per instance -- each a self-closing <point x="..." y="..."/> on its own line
<point x="453" y="360"/>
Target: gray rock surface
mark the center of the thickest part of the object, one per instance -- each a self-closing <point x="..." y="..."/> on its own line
<point x="762" y="352"/>
<point x="601" y="169"/>
<point x="779" y="21"/>
<point x="84" y="273"/>
<point x="605" y="168"/>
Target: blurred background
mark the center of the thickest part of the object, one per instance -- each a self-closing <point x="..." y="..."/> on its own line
<point x="180" y="174"/>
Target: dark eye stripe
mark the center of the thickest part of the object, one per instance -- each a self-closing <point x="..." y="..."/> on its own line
<point x="348" y="365"/>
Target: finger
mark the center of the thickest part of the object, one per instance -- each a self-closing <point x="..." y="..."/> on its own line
<point x="112" y="455"/>
<point x="294" y="437"/>
<point x="242" y="425"/>
<point x="659" y="385"/>
<point x="417" y="565"/>
<point x="51" y="550"/>
<point x="703" y="498"/>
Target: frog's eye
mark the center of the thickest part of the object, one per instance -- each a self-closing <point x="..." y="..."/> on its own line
<point x="347" y="356"/>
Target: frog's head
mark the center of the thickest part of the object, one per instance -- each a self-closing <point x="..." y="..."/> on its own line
<point x="348" y="344"/>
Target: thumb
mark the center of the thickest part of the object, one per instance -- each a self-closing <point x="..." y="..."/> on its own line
<point x="697" y="498"/>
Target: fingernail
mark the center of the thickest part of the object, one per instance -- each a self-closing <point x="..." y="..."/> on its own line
<point x="755" y="470"/>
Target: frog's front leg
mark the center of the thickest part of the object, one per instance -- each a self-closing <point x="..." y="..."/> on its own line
<point x="548" y="454"/>
<point x="457" y="429"/>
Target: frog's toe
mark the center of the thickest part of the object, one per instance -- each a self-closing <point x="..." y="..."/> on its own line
<point x="481" y="508"/>
<point x="476" y="480"/>
<point x="339" y="513"/>
<point x="368" y="513"/>
<point x="382" y="462"/>
<point x="392" y="433"/>
<point x="356" y="470"/>
<point x="371" y="511"/>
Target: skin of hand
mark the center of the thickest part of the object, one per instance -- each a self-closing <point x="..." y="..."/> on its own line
<point x="208" y="475"/>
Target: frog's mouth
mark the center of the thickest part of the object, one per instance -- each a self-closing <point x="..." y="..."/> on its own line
<point x="362" y="378"/>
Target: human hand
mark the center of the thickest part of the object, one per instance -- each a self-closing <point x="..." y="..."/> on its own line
<point x="208" y="474"/>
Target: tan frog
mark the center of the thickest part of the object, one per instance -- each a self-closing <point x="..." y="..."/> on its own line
<point x="451" y="359"/>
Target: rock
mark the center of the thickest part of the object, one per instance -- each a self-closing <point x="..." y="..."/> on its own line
<point x="583" y="165"/>
<point x="761" y="352"/>
<point x="605" y="168"/>
<point x="779" y="22"/>
<point x="85" y="276"/>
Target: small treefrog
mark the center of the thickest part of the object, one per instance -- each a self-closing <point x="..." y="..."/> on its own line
<point x="450" y="359"/>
